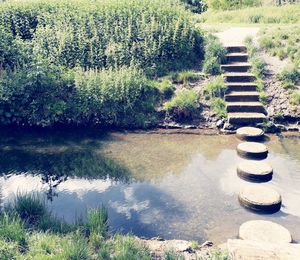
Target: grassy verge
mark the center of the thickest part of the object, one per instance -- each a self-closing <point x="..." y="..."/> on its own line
<point x="288" y="14"/>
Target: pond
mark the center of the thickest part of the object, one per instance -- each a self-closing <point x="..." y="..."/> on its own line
<point x="179" y="186"/>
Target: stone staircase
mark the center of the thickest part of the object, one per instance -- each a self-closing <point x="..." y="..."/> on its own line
<point x="242" y="99"/>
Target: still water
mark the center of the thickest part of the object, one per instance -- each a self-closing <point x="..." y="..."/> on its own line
<point x="171" y="186"/>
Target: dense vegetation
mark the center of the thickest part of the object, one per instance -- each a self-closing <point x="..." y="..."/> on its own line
<point x="73" y="62"/>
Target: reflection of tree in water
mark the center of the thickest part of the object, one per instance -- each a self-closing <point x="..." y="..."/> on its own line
<point x="55" y="168"/>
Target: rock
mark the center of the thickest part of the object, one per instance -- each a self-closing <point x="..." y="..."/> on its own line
<point x="239" y="249"/>
<point x="260" y="198"/>
<point x="264" y="231"/>
<point x="228" y="126"/>
<point x="249" y="133"/>
<point x="207" y="243"/>
<point x="220" y="123"/>
<point x="255" y="171"/>
<point x="281" y="127"/>
<point x="252" y="150"/>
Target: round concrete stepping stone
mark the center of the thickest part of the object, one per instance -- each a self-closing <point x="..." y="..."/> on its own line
<point x="260" y="198"/>
<point x="249" y="133"/>
<point x="264" y="231"/>
<point x="255" y="171"/>
<point x="252" y="150"/>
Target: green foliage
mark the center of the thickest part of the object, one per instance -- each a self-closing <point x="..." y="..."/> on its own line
<point x="98" y="221"/>
<point x="8" y="250"/>
<point x="195" y="245"/>
<point x="263" y="97"/>
<point x="31" y="207"/>
<point x="184" y="77"/>
<point x="196" y="6"/>
<point x="12" y="230"/>
<point x="289" y="74"/>
<point x="45" y="95"/>
<point x="219" y="107"/>
<point x="183" y="105"/>
<point x="289" y="85"/>
<point x="289" y="14"/>
<point x="123" y="248"/>
<point x="295" y="99"/>
<point x="153" y="35"/>
<point x="215" y="88"/>
<point x="282" y="42"/>
<point x="75" y="248"/>
<point x="215" y="54"/>
<point x="232" y="4"/>
<point x="166" y="88"/>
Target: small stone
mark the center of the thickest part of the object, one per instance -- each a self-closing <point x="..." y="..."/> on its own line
<point x="264" y="231"/>
<point x="249" y="133"/>
<point x="252" y="150"/>
<point x="255" y="171"/>
<point x="260" y="198"/>
<point x="220" y="123"/>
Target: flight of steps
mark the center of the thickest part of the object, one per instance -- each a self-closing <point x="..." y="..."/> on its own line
<point x="242" y="99"/>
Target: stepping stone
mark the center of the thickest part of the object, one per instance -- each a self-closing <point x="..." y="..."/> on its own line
<point x="255" y="171"/>
<point x="264" y="231"/>
<point x="249" y="133"/>
<point x="260" y="198"/>
<point x="252" y="150"/>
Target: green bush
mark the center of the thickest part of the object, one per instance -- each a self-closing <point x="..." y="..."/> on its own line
<point x="295" y="99"/>
<point x="214" y="55"/>
<point x="215" y="88"/>
<point x="183" y="105"/>
<point x="219" y="107"/>
<point x="196" y="6"/>
<point x="166" y="88"/>
<point x="45" y="95"/>
<point x="153" y="35"/>
<point x="289" y="75"/>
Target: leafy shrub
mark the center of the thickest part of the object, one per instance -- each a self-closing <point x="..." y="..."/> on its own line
<point x="295" y="99"/>
<point x="45" y="95"/>
<point x="153" y="35"/>
<point x="219" y="107"/>
<point x="166" y="88"/>
<point x="289" y="75"/>
<point x="196" y="6"/>
<point x="183" y="105"/>
<point x="214" y="55"/>
<point x="215" y="88"/>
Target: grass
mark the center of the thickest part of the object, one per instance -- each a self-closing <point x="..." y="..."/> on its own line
<point x="215" y="88"/>
<point x="295" y="99"/>
<point x="288" y="14"/>
<point x="219" y="107"/>
<point x="183" y="105"/>
<point x="187" y="76"/>
<point x="282" y="41"/>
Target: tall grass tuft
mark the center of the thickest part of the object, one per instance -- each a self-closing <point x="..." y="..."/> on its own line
<point x="98" y="221"/>
<point x="31" y="207"/>
<point x="215" y="88"/>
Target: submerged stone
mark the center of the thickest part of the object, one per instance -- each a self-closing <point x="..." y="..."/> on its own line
<point x="260" y="198"/>
<point x="252" y="150"/>
<point x="255" y="171"/>
<point x="264" y="231"/>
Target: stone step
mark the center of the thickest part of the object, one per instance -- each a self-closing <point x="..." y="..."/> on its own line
<point x="255" y="107"/>
<point x="238" y="96"/>
<point x="239" y="77"/>
<point x="241" y="86"/>
<point x="236" y="67"/>
<point x="237" y="57"/>
<point x="238" y="48"/>
<point x="246" y="118"/>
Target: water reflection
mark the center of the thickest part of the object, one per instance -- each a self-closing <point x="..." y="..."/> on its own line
<point x="173" y="186"/>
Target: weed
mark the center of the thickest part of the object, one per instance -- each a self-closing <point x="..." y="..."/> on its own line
<point x="215" y="88"/>
<point x="166" y="88"/>
<point x="98" y="221"/>
<point x="295" y="99"/>
<point x="219" y="107"/>
<point x="172" y="255"/>
<point x="289" y="74"/>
